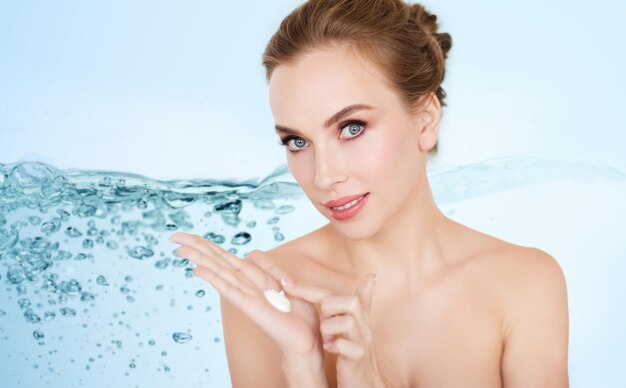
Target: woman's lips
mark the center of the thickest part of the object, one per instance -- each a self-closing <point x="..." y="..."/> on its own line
<point x="343" y="200"/>
<point x="351" y="211"/>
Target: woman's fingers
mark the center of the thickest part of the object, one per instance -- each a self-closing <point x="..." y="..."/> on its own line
<point x="216" y="267"/>
<point x="346" y="348"/>
<point x="232" y="293"/>
<point x="263" y="261"/>
<point x="208" y="247"/>
<point x="214" y="257"/>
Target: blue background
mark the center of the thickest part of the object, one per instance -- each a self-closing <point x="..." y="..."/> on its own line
<point x="177" y="91"/>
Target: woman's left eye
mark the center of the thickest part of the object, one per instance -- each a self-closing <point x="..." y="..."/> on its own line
<point x="355" y="128"/>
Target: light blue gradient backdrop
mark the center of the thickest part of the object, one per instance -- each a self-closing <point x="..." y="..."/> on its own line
<point x="177" y="90"/>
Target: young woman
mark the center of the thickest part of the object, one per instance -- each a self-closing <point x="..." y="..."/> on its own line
<point x="391" y="292"/>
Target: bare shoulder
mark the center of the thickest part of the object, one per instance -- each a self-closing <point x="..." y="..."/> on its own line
<point x="296" y="257"/>
<point x="532" y="290"/>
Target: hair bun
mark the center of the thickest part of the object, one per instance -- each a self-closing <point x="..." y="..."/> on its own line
<point x="427" y="22"/>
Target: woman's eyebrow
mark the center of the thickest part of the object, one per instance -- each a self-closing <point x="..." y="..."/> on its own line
<point x="333" y="119"/>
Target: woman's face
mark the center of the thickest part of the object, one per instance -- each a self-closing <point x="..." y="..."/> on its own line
<point x="375" y="150"/>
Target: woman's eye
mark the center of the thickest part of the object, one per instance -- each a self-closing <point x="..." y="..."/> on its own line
<point x="298" y="143"/>
<point x="354" y="128"/>
<point x="295" y="144"/>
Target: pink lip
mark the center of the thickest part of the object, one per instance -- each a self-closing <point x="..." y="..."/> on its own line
<point x="343" y="200"/>
<point x="342" y="215"/>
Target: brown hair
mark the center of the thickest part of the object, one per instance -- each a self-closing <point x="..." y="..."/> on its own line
<point x="400" y="38"/>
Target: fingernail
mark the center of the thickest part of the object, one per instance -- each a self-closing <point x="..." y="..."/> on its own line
<point x="328" y="345"/>
<point x="287" y="282"/>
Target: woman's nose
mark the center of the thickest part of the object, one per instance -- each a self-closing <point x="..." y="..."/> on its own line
<point x="329" y="170"/>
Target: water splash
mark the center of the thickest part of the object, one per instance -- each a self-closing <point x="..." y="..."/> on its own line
<point x="83" y="258"/>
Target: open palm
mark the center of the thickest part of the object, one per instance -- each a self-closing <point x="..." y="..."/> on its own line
<point x="242" y="283"/>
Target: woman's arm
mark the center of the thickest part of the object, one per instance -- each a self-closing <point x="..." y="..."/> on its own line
<point x="536" y="325"/>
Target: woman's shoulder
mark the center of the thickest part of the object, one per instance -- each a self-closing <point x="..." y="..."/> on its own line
<point x="520" y="274"/>
<point x="298" y="256"/>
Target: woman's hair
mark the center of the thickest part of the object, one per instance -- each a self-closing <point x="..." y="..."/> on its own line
<point x="400" y="38"/>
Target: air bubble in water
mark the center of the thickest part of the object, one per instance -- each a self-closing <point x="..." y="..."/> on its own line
<point x="101" y="280"/>
<point x="241" y="238"/>
<point x="181" y="337"/>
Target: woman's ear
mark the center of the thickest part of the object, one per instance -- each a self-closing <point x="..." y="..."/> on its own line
<point x="429" y="122"/>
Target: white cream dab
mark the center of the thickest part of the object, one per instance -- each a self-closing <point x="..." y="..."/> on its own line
<point x="278" y="300"/>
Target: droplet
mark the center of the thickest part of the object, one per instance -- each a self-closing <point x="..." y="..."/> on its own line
<point x="241" y="238"/>
<point x="181" y="337"/>
<point x="68" y="312"/>
<point x="162" y="264"/>
<point x="214" y="237"/>
<point x="284" y="209"/>
<point x="72" y="232"/>
<point x="31" y="317"/>
<point x="101" y="280"/>
<point x="140" y="252"/>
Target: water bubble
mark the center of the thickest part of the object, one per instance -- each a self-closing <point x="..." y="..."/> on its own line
<point x="87" y="243"/>
<point x="164" y="353"/>
<point x="111" y="244"/>
<point x="63" y="214"/>
<point x="31" y="317"/>
<point x="30" y="177"/>
<point x="181" y="337"/>
<point x="214" y="237"/>
<point x="151" y="342"/>
<point x="140" y="252"/>
<point x="241" y="238"/>
<point x="85" y="210"/>
<point x="34" y="220"/>
<point x="48" y="315"/>
<point x="71" y="287"/>
<point x="2" y="313"/>
<point x="68" y="312"/>
<point x="37" y="334"/>
<point x="72" y="232"/>
<point x="200" y="293"/>
<point x="273" y="220"/>
<point x="279" y="236"/>
<point x="86" y="297"/>
<point x="162" y="264"/>
<point x="251" y="224"/>
<point x="228" y="208"/>
<point x="16" y="273"/>
<point x="284" y="209"/>
<point x="180" y="262"/>
<point x="101" y="280"/>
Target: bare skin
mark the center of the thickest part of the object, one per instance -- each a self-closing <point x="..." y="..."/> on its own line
<point x="447" y="331"/>
<point x="452" y="307"/>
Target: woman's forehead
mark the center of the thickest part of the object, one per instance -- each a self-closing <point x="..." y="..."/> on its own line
<point x="323" y="80"/>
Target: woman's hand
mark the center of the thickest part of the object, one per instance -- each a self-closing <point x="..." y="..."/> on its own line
<point x="242" y="283"/>
<point x="345" y="329"/>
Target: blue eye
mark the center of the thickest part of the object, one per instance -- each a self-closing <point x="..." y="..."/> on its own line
<point x="355" y="128"/>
